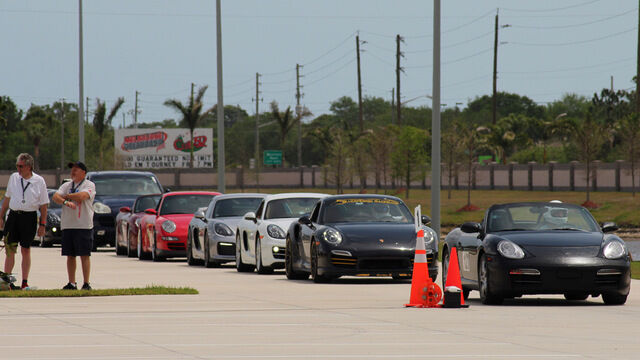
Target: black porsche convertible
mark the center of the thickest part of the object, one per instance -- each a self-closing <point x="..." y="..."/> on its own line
<point x="540" y="248"/>
<point x="361" y="235"/>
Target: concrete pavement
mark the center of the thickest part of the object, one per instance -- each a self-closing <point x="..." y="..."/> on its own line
<point x="250" y="316"/>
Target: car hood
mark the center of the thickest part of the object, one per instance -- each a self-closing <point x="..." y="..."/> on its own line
<point x="400" y="235"/>
<point x="181" y="220"/>
<point x="282" y="223"/>
<point x="554" y="238"/>
<point x="231" y="222"/>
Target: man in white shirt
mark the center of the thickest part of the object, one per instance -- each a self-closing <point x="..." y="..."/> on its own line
<point x="77" y="196"/>
<point x="26" y="194"/>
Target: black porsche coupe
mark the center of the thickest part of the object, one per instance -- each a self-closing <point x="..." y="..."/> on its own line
<point x="540" y="248"/>
<point x="356" y="235"/>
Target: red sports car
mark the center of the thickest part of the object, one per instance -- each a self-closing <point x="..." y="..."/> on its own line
<point x="128" y="223"/>
<point x="163" y="230"/>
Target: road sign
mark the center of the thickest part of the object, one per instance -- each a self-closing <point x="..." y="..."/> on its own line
<point x="272" y="157"/>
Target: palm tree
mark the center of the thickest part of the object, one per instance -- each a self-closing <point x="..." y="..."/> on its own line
<point x="191" y="113"/>
<point x="102" y="123"/>
<point x="285" y="121"/>
<point x="36" y="123"/>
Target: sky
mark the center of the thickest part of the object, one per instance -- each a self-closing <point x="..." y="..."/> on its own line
<point x="159" y="47"/>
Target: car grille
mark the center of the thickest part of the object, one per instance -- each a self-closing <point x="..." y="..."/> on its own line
<point x="344" y="261"/>
<point x="384" y="264"/>
<point x="176" y="246"/>
<point x="279" y="254"/>
<point x="430" y="259"/>
<point x="106" y="221"/>
<point x="226" y="250"/>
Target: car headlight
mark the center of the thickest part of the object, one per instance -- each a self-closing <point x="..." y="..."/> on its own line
<point x="510" y="250"/>
<point x="169" y="226"/>
<point x="53" y="218"/>
<point x="429" y="237"/>
<point x="100" y="208"/>
<point x="332" y="236"/>
<point x="614" y="250"/>
<point x="276" y="232"/>
<point x="222" y="229"/>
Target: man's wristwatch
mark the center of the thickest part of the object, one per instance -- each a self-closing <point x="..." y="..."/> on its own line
<point x="65" y="202"/>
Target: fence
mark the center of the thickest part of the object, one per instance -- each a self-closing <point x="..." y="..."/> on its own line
<point x="548" y="177"/>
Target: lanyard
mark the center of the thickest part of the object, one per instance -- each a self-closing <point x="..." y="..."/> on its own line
<point x="75" y="189"/>
<point x="24" y="188"/>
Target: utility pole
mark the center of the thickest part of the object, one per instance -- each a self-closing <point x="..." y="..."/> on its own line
<point x="123" y="115"/>
<point x="393" y="107"/>
<point x="257" y="156"/>
<point x="135" y="111"/>
<point x="62" y="135"/>
<point x="638" y="66"/>
<point x="494" y="104"/>
<point x="86" y="112"/>
<point x="360" y="114"/>
<point x="220" y="112"/>
<point x="81" y="87"/>
<point x="299" y="114"/>
<point x="399" y="70"/>
<point x="435" y="124"/>
<point x="611" y="83"/>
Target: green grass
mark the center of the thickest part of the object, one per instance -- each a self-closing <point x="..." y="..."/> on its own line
<point x="619" y="207"/>
<point x="635" y="270"/>
<point x="149" y="290"/>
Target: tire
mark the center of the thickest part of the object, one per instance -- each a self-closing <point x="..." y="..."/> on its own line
<point x="614" y="299"/>
<point x="130" y="253"/>
<point x="576" y="296"/>
<point x="44" y="243"/>
<point x="119" y="249"/>
<point x="261" y="269"/>
<point x="191" y="261"/>
<point x="465" y="292"/>
<point x="208" y="263"/>
<point x="139" y="250"/>
<point x="318" y="279"/>
<point x="240" y="266"/>
<point x="486" y="296"/>
<point x="154" y="253"/>
<point x="288" y="264"/>
<point x="445" y="266"/>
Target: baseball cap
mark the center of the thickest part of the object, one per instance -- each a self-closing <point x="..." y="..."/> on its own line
<point x="79" y="164"/>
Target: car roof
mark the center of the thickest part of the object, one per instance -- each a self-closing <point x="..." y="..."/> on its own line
<point x="240" y="195"/>
<point x="120" y="172"/>
<point x="174" y="193"/>
<point x="533" y="203"/>
<point x="294" y="195"/>
<point x="362" y="196"/>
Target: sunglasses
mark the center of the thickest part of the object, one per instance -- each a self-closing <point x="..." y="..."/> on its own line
<point x="20" y="166"/>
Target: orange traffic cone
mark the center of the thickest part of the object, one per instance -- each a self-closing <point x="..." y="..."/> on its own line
<point x="453" y="274"/>
<point x="424" y="292"/>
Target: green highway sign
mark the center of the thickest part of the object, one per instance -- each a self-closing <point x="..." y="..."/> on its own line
<point x="272" y="157"/>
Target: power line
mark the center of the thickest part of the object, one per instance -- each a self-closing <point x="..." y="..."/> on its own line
<point x="379" y="59"/>
<point x="454" y="60"/>
<point x="456" y="28"/>
<point x="332" y="73"/>
<point x="554" y="9"/>
<point x="569" y="69"/>
<point x="576" y="42"/>
<point x="575" y="25"/>
<point x="343" y="56"/>
<point x="452" y="45"/>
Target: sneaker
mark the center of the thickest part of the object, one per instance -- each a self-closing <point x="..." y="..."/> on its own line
<point x="70" y="286"/>
<point x="86" y="286"/>
<point x="24" y="286"/>
<point x="12" y="286"/>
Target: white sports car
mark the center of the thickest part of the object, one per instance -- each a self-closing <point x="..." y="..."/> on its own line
<point x="260" y="236"/>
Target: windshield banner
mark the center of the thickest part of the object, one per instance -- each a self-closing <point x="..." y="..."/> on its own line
<point x="164" y="148"/>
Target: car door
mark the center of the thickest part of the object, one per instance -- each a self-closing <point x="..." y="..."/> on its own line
<point x="252" y="229"/>
<point x="306" y="234"/>
<point x="468" y="245"/>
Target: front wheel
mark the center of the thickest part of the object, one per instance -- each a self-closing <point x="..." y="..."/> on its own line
<point x="445" y="267"/>
<point x="315" y="276"/>
<point x="288" y="264"/>
<point x="208" y="263"/>
<point x="240" y="266"/>
<point x="484" y="284"/>
<point x="260" y="268"/>
<point x="191" y="261"/>
<point x="155" y="256"/>
<point x="614" y="299"/>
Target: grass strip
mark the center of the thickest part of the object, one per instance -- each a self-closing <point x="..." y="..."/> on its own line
<point x="149" y="290"/>
<point x="635" y="270"/>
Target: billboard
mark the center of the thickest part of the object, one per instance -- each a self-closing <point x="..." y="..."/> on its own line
<point x="164" y="148"/>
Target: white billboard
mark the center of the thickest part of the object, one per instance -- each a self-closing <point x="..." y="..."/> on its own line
<point x="164" y="148"/>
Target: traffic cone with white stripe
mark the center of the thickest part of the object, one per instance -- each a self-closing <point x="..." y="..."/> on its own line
<point x="453" y="276"/>
<point x="424" y="292"/>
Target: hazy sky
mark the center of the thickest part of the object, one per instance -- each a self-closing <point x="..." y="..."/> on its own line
<point x="159" y="47"/>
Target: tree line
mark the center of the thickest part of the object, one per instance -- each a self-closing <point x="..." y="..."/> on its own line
<point x="604" y="127"/>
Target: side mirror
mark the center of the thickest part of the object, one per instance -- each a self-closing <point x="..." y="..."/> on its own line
<point x="471" y="227"/>
<point x="609" y="227"/>
<point x="200" y="215"/>
<point x="125" y="209"/>
<point x="251" y="216"/>
<point x="425" y="220"/>
<point x="304" y="220"/>
<point x="167" y="190"/>
<point x="151" y="212"/>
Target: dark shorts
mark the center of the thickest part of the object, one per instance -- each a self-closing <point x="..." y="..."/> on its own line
<point x="77" y="242"/>
<point x="21" y="228"/>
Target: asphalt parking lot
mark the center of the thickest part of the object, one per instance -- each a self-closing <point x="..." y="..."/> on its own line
<point x="250" y="316"/>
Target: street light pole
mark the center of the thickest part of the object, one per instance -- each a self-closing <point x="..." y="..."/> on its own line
<point x="220" y="113"/>
<point x="81" y="87"/>
<point x="435" y="123"/>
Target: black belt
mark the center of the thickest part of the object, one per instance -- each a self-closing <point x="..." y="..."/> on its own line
<point x="21" y="212"/>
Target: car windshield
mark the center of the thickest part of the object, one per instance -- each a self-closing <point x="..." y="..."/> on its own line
<point x="235" y="207"/>
<point x="146" y="202"/>
<point x="539" y="217"/>
<point x="184" y="204"/>
<point x="52" y="204"/>
<point x="126" y="185"/>
<point x="289" y="208"/>
<point x="367" y="210"/>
